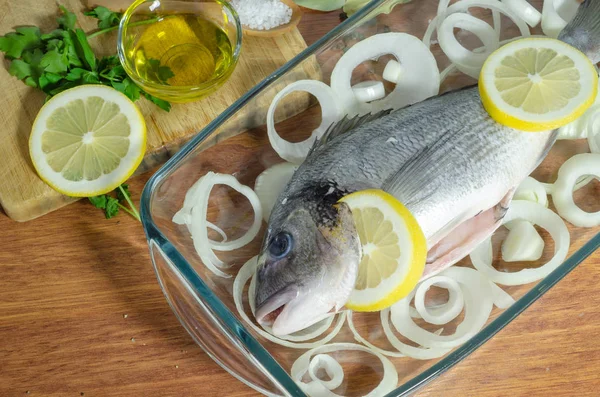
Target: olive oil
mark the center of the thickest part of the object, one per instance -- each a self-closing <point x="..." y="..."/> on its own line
<point x="182" y="50"/>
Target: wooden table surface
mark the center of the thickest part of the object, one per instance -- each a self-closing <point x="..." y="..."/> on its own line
<point x="81" y="314"/>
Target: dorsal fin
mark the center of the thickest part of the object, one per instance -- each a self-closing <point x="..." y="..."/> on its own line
<point x="344" y="125"/>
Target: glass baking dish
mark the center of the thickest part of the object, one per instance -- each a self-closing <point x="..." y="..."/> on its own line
<point x="236" y="143"/>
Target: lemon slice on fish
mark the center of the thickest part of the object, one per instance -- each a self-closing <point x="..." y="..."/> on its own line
<point x="394" y="250"/>
<point x="87" y="140"/>
<point x="537" y="84"/>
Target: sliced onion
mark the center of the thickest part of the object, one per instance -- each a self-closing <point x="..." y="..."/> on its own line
<point x="525" y="11"/>
<point x="450" y="310"/>
<point x="245" y="273"/>
<point x="330" y="113"/>
<point x="478" y="306"/>
<point x="464" y="5"/>
<point x="447" y="72"/>
<point x="523" y="243"/>
<point x="318" y="388"/>
<point x="467" y="61"/>
<point x="482" y="259"/>
<point x="270" y="183"/>
<point x="392" y="71"/>
<point x="593" y="131"/>
<point x="552" y="22"/>
<point x="562" y="195"/>
<point x="532" y="190"/>
<point x="420" y="76"/>
<point x="198" y="223"/>
<point x="368" y="91"/>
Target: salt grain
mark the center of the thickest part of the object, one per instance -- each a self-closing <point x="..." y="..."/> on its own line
<point x="262" y="14"/>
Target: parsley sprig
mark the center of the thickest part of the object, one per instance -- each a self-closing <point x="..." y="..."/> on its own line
<point x="63" y="58"/>
<point x="111" y="204"/>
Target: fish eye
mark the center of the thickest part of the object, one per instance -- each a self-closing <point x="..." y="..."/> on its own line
<point x="280" y="245"/>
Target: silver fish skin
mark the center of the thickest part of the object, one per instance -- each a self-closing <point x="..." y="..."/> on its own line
<point x="445" y="159"/>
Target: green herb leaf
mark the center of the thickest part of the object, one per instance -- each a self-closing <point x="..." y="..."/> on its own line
<point x="54" y="62"/>
<point x="20" y="69"/>
<point x="112" y="207"/>
<point x="67" y="20"/>
<point x="128" y="88"/>
<point x="24" y="38"/>
<point x="164" y="105"/>
<point x="106" y="17"/>
<point x="98" y="201"/>
<point x="48" y="79"/>
<point x="158" y="72"/>
<point x="123" y="195"/>
<point x="83" y="49"/>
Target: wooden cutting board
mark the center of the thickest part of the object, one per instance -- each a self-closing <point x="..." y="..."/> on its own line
<point x="24" y="196"/>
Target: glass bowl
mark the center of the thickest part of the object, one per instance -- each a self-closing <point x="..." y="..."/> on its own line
<point x="203" y="302"/>
<point x="175" y="34"/>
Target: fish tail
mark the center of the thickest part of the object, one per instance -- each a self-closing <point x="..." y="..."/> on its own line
<point x="583" y="32"/>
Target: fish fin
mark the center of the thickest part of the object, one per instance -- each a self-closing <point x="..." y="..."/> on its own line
<point x="344" y="125"/>
<point x="410" y="177"/>
<point x="583" y="32"/>
<point x="460" y="241"/>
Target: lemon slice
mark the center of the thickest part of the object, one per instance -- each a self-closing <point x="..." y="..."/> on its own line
<point x="394" y="250"/>
<point x="537" y="84"/>
<point x="87" y="140"/>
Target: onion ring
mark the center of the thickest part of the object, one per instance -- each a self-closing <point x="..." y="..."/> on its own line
<point x="270" y="183"/>
<point x="330" y="113"/>
<point x="368" y="91"/>
<point x="481" y="257"/>
<point x="464" y="5"/>
<point x="467" y="61"/>
<point x="552" y="22"/>
<point x="318" y="388"/>
<point x="532" y="190"/>
<point x="245" y="273"/>
<point x="478" y="307"/>
<point x="420" y="75"/>
<point x="450" y="310"/>
<point x="562" y="195"/>
<point x="525" y="11"/>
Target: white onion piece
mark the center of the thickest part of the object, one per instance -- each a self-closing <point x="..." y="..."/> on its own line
<point x="532" y="190"/>
<point x="464" y="5"/>
<point x="523" y="243"/>
<point x="368" y="91"/>
<point x="567" y="8"/>
<point x="593" y="131"/>
<point x="330" y="113"/>
<point x="318" y="388"/>
<point x="252" y="232"/>
<point x="562" y="195"/>
<point x="478" y="307"/>
<point x="392" y="71"/>
<point x="245" y="273"/>
<point x="420" y="75"/>
<point x="403" y="350"/>
<point x="481" y="257"/>
<point x="198" y="223"/>
<point x="525" y="11"/>
<point x="270" y="183"/>
<point x="184" y="215"/>
<point x="467" y="61"/>
<point x="198" y="228"/>
<point x="218" y="230"/>
<point x="501" y="298"/>
<point x="451" y="309"/>
<point x="447" y="72"/>
<point x="552" y="22"/>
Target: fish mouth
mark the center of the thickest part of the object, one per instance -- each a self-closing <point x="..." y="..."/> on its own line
<point x="268" y="311"/>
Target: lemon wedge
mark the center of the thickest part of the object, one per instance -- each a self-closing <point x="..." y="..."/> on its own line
<point x="87" y="140"/>
<point x="394" y="250"/>
<point x="537" y="84"/>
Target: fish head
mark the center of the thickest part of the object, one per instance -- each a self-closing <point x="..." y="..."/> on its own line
<point x="307" y="267"/>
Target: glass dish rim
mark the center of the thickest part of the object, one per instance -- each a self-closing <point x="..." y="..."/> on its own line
<point x="188" y="88"/>
<point x="238" y="330"/>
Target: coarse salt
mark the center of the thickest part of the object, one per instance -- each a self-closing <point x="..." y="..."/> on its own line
<point x="262" y="14"/>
